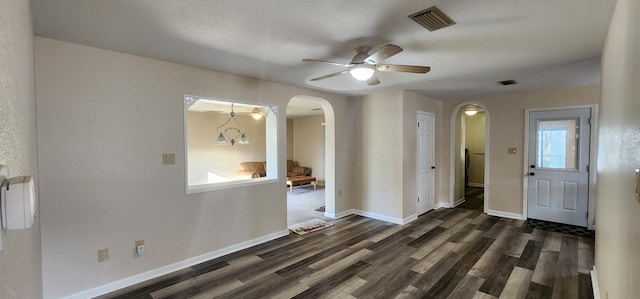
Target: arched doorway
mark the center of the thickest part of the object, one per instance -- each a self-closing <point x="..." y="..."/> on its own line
<point x="301" y="106"/>
<point x="463" y="158"/>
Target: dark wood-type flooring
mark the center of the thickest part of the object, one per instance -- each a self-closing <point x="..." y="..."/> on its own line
<point x="448" y="253"/>
<point x="473" y="199"/>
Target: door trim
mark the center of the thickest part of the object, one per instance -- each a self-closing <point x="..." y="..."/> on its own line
<point x="592" y="158"/>
<point x="452" y="152"/>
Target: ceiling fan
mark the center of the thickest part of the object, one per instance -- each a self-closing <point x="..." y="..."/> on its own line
<point x="363" y="66"/>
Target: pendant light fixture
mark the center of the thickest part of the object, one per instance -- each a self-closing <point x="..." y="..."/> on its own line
<point x="228" y="133"/>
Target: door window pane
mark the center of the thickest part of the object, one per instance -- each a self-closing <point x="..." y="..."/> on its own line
<point x="556" y="144"/>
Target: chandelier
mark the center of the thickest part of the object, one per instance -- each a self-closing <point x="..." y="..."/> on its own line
<point x="231" y="131"/>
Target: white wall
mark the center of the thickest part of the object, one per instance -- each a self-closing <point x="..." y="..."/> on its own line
<point x="290" y="139"/>
<point x="386" y="161"/>
<point x="20" y="261"/>
<point x="104" y="120"/>
<point x="412" y="103"/>
<point x="221" y="160"/>
<point x="617" y="210"/>
<point x="308" y="144"/>
<point x="379" y="176"/>
<point x="506" y="123"/>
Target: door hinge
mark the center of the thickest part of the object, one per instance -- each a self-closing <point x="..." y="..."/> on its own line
<point x="587" y="168"/>
<point x="586" y="215"/>
<point x="418" y="124"/>
<point x="418" y="198"/>
<point x="589" y="120"/>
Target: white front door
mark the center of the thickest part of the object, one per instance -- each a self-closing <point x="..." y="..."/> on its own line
<point x="426" y="163"/>
<point x="558" y="184"/>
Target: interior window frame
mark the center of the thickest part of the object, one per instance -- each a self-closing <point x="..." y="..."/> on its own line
<point x="270" y="113"/>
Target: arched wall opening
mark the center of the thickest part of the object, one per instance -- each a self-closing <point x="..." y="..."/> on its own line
<point x="329" y="152"/>
<point x="457" y="153"/>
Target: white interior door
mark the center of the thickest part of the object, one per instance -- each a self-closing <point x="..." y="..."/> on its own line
<point x="426" y="163"/>
<point x="558" y="183"/>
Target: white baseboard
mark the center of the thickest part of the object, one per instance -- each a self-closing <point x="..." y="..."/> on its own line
<point x="441" y="205"/>
<point x="594" y="283"/>
<point x="129" y="281"/>
<point x="409" y="218"/>
<point x="476" y="185"/>
<point x="378" y="216"/>
<point x="373" y="216"/>
<point x="505" y="214"/>
<point x="340" y="215"/>
<point x="459" y="202"/>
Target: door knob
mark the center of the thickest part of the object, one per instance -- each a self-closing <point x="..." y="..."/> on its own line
<point x="532" y="173"/>
<point x="532" y="166"/>
<point x="433" y="167"/>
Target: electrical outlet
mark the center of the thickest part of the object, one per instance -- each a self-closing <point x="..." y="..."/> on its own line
<point x="139" y="247"/>
<point x="512" y="151"/>
<point x="168" y="158"/>
<point x="103" y="255"/>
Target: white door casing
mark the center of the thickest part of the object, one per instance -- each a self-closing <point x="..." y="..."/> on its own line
<point x="558" y="162"/>
<point x="426" y="162"/>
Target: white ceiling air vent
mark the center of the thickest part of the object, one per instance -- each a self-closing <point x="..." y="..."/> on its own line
<point x="432" y="18"/>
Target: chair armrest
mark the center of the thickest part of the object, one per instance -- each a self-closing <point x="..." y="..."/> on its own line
<point x="245" y="174"/>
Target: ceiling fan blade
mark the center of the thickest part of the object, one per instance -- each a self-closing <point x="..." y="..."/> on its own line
<point x="328" y="62"/>
<point x="403" y="68"/>
<point x="329" y="76"/>
<point x="383" y="53"/>
<point x="373" y="80"/>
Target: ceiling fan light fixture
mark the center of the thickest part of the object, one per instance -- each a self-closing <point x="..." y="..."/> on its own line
<point x="362" y="72"/>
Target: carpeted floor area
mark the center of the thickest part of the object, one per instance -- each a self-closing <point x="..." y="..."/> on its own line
<point x="302" y="205"/>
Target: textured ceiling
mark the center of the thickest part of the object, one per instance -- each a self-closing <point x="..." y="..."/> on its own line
<point x="541" y="44"/>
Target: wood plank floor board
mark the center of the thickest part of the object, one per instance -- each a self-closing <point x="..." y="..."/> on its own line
<point x="467" y="287"/>
<point x="517" y="285"/>
<point x="488" y="223"/>
<point x="530" y="255"/>
<point x="538" y="291"/>
<point x="468" y="258"/>
<point x="546" y="268"/>
<point x="343" y="290"/>
<point x="447" y="253"/>
<point x="412" y="292"/>
<point x="494" y="282"/>
<point x="426" y="227"/>
<point x="585" y="289"/>
<point x="585" y="255"/>
<point x="432" y="258"/>
<point x="566" y="283"/>
<point x="427" y="236"/>
<point x="387" y="284"/>
<point x="462" y="233"/>
<point x="333" y="281"/>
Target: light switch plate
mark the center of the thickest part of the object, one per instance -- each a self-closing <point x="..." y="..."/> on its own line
<point x="512" y="151"/>
<point x="103" y="255"/>
<point x="168" y="158"/>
